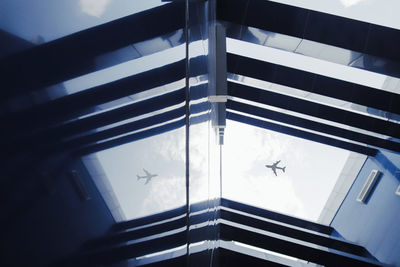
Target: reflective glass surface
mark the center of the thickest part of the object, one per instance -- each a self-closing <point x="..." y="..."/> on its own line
<point x="369" y="11"/>
<point x="172" y="125"/>
<point x="309" y="166"/>
<point x="138" y="193"/>
<point x="43" y="21"/>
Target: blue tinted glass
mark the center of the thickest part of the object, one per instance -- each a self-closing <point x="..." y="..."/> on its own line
<point x="43" y="20"/>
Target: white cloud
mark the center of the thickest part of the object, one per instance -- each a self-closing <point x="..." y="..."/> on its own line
<point x="94" y="8"/>
<point x="273" y="193"/>
<point x="299" y="191"/>
<point x="348" y="3"/>
<point x="164" y="194"/>
<point x="247" y="149"/>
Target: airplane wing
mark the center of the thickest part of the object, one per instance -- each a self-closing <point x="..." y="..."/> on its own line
<point x="148" y="180"/>
<point x="276" y="163"/>
<point x="147" y="173"/>
<point x="274" y="171"/>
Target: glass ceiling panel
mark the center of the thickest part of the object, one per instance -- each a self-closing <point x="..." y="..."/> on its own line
<point x="373" y="11"/>
<point x="204" y="163"/>
<point x="312" y="118"/>
<point x="149" y="115"/>
<point x="146" y="63"/>
<point x="42" y="21"/>
<point x="117" y="72"/>
<point x="302" y="190"/>
<point x="317" y="98"/>
<point x="298" y="61"/>
<point x="309" y="164"/>
<point x="143" y="95"/>
<point x="297" y="131"/>
<point x="161" y="155"/>
<point x="313" y="49"/>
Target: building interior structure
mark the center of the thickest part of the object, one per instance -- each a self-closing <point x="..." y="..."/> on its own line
<point x="171" y="78"/>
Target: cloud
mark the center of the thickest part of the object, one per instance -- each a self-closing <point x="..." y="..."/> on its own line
<point x="348" y="3"/>
<point x="94" y="8"/>
<point x="246" y="152"/>
<point x="269" y="192"/>
<point x="164" y="194"/>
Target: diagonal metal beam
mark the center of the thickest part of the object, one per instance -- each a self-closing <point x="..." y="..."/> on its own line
<point x="169" y="214"/>
<point x="124" y="252"/>
<point x="311" y="25"/>
<point x="291" y="247"/>
<point x="56" y="134"/>
<point x="130" y="138"/>
<point x="227" y="257"/>
<point x="314" y="109"/>
<point x="129" y="235"/>
<point x="303" y="134"/>
<point x="313" y="125"/>
<point x="314" y="83"/>
<point x="297" y="233"/>
<point x="73" y="55"/>
<point x="277" y="216"/>
<point x="79" y="142"/>
<point x="113" y="132"/>
<point x="71" y="106"/>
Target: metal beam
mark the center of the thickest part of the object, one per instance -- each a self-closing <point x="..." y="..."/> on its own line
<point x="312" y="49"/>
<point x="303" y="134"/>
<point x="277" y="216"/>
<point x="99" y="136"/>
<point x="313" y="125"/>
<point x="291" y="247"/>
<point x="130" y="235"/>
<point x="169" y="214"/>
<point x="89" y="139"/>
<point x="71" y="106"/>
<point x="74" y="55"/>
<point x="311" y="25"/>
<point x="295" y="232"/>
<point x="90" y="123"/>
<point x="231" y="258"/>
<point x="115" y="254"/>
<point x="130" y="138"/>
<point x="314" y="109"/>
<point x="314" y="83"/>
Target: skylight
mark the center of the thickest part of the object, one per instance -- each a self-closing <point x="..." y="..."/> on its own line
<point x="302" y="190"/>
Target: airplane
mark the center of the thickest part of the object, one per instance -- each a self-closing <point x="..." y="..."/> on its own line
<point x="148" y="176"/>
<point x="275" y="167"/>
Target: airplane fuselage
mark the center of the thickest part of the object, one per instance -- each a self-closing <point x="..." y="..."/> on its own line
<point x="275" y="167"/>
<point x="146" y="177"/>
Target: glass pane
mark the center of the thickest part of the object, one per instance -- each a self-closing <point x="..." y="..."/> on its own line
<point x="309" y="64"/>
<point x="147" y="176"/>
<point x="301" y="190"/>
<point x="372" y="11"/>
<point x="42" y="21"/>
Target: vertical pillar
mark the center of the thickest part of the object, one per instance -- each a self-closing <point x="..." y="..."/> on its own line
<point x="204" y="46"/>
<point x="217" y="89"/>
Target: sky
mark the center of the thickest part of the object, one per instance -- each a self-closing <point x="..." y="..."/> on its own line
<point x="301" y="191"/>
<point x="162" y="155"/>
<point x="311" y="168"/>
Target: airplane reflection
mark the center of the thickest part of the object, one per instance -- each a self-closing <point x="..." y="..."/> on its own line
<point x="148" y="176"/>
<point x="275" y="167"/>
